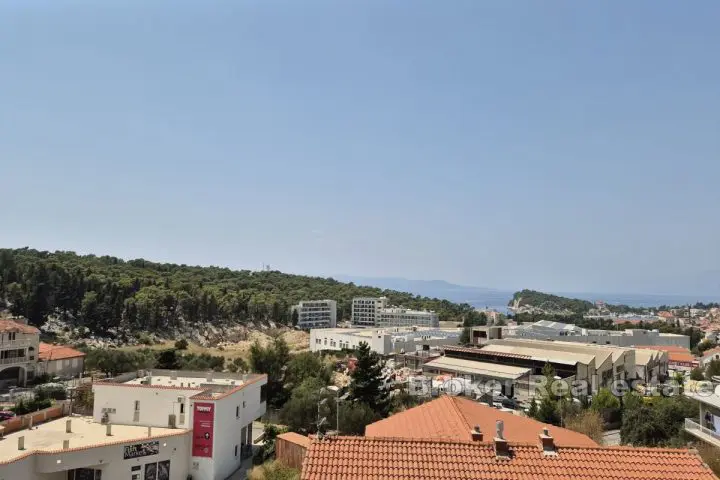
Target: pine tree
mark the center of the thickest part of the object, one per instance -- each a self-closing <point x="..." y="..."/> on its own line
<point x="366" y="384"/>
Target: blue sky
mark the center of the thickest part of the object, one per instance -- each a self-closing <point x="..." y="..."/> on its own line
<point x="567" y="146"/>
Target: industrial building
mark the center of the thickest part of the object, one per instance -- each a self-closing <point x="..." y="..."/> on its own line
<point x="384" y="341"/>
<point x="159" y="425"/>
<point x="548" y="330"/>
<point x="376" y="312"/>
<point x="316" y="314"/>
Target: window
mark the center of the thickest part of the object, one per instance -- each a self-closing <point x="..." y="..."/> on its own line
<point x="182" y="408"/>
<point x="137" y="405"/>
<point x="263" y="393"/>
<point x="237" y="412"/>
<point x="236" y="450"/>
<point x="243" y="403"/>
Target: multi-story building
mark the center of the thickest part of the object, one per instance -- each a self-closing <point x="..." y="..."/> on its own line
<point x="317" y="314"/>
<point x="365" y="310"/>
<point x="403" y="317"/>
<point x="19" y="344"/>
<point x="706" y="427"/>
<point x="376" y="312"/>
<point x="159" y="425"/>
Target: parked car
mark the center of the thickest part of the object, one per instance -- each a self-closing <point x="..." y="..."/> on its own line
<point x="505" y="402"/>
<point x="6" y="415"/>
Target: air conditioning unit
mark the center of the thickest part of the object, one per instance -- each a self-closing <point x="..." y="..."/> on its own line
<point x="181" y="400"/>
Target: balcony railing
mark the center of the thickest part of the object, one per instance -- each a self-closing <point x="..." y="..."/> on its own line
<point x="704" y="433"/>
<point x="9" y="361"/>
<point x="26" y="342"/>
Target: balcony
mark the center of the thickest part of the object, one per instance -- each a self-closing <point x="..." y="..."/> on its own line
<point x="25" y="342"/>
<point x="12" y="361"/>
<point x="705" y="434"/>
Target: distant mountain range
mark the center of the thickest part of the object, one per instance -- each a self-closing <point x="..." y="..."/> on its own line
<point x="482" y="297"/>
<point x="476" y="296"/>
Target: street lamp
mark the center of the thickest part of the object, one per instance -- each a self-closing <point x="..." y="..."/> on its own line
<point x="338" y="399"/>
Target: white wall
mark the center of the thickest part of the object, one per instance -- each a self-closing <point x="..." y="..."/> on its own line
<point x="156" y="404"/>
<point x="108" y="458"/>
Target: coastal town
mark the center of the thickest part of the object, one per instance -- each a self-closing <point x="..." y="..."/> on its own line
<point x="492" y="394"/>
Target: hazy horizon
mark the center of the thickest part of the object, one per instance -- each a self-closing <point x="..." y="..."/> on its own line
<point x="564" y="147"/>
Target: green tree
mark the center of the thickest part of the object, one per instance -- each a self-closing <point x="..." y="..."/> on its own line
<point x="355" y="416"/>
<point x="465" y="336"/>
<point x="238" y="365"/>
<point x="533" y="410"/>
<point x="547" y="411"/>
<point x="697" y="374"/>
<point x="300" y="412"/>
<point x="271" y="360"/>
<point x="307" y="365"/>
<point x="181" y="344"/>
<point x="168" y="360"/>
<point x="295" y="317"/>
<point x="605" y="400"/>
<point x="366" y="381"/>
<point x="712" y="369"/>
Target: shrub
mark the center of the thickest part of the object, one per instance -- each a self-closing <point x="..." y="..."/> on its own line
<point x="181" y="344"/>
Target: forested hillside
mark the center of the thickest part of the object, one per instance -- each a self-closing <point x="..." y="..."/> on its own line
<point x="548" y="301"/>
<point x="110" y="294"/>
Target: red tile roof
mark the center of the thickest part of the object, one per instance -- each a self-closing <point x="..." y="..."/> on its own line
<point x="351" y="458"/>
<point x="675" y="354"/>
<point x="11" y="326"/>
<point x="711" y="352"/>
<point x="452" y="418"/>
<point x="57" y="352"/>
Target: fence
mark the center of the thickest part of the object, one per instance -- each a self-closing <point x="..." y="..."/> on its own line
<point x="18" y="423"/>
<point x="290" y="449"/>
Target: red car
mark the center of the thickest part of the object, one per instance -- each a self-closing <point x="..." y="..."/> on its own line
<point x="5" y="415"/>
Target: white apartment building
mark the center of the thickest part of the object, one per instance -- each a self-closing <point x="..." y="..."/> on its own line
<point x="19" y="345"/>
<point x="403" y="317"/>
<point x="375" y="312"/>
<point x="317" y="314"/>
<point x="365" y="310"/>
<point x="161" y="425"/>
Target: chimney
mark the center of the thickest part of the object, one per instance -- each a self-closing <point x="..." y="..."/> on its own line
<point x="21" y="442"/>
<point x="108" y="430"/>
<point x="66" y="444"/>
<point x="501" y="445"/>
<point x="476" y="434"/>
<point x="173" y="375"/>
<point x="149" y="431"/>
<point x="209" y="376"/>
<point x="547" y="442"/>
<point x="68" y="426"/>
<point x="30" y="423"/>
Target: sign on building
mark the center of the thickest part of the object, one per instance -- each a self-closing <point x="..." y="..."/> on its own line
<point x="203" y="420"/>
<point x="141" y="450"/>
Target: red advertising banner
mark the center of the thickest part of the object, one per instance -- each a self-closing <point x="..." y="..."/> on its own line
<point x="203" y="420"/>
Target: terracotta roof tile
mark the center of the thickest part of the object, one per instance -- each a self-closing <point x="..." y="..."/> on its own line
<point x="452" y="418"/>
<point x="11" y="326"/>
<point x="350" y="458"/>
<point x="57" y="352"/>
<point x="675" y="354"/>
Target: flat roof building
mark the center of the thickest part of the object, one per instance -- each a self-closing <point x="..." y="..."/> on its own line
<point x="548" y="330"/>
<point x="377" y="312"/>
<point x="159" y="424"/>
<point x="384" y="341"/>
